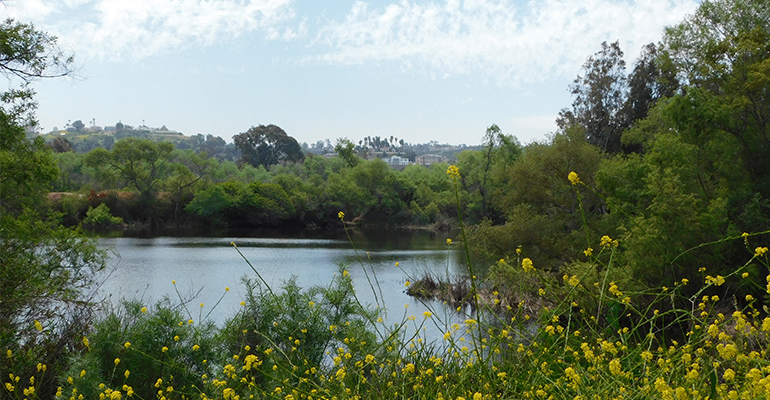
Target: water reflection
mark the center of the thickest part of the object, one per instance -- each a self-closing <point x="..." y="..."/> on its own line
<point x="202" y="267"/>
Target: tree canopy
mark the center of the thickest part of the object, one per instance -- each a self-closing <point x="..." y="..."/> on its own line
<point x="46" y="268"/>
<point x="267" y="145"/>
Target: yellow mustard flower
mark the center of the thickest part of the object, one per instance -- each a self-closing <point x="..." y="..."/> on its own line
<point x="760" y="251"/>
<point x="526" y="265"/>
<point x="606" y="241"/>
<point x="573" y="178"/>
<point x="453" y="171"/>
<point x="729" y="374"/>
<point x="341" y="215"/>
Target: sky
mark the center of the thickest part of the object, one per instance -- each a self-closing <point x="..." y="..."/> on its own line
<point x="417" y="70"/>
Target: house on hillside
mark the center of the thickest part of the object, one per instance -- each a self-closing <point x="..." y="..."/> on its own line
<point x="428" y="159"/>
<point x="396" y="161"/>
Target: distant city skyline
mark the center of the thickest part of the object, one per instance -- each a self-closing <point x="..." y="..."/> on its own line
<point x="419" y="70"/>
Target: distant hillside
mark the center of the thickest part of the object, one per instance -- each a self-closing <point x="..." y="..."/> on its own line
<point x="84" y="141"/>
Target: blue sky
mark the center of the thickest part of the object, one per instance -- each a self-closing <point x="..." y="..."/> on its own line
<point x="417" y="70"/>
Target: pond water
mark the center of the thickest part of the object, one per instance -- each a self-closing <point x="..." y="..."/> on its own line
<point x="143" y="268"/>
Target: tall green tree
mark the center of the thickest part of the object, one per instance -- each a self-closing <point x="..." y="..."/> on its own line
<point x="189" y="171"/>
<point x="45" y="269"/>
<point x="542" y="209"/>
<point x="653" y="78"/>
<point x="599" y="97"/>
<point x="347" y="150"/>
<point x="723" y="54"/>
<point x="267" y="146"/>
<point x="137" y="163"/>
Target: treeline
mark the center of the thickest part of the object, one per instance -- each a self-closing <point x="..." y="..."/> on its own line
<point x="155" y="184"/>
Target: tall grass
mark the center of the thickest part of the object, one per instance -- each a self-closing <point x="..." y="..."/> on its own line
<point x="584" y="333"/>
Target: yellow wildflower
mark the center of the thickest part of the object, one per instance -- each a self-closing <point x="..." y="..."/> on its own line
<point x="588" y="252"/>
<point x="729" y="374"/>
<point x="606" y="241"/>
<point x="341" y="215"/>
<point x="453" y="171"/>
<point x="573" y="178"/>
<point x="615" y="367"/>
<point x="760" y="251"/>
<point x="527" y="265"/>
<point x="409" y="368"/>
<point x="449" y="241"/>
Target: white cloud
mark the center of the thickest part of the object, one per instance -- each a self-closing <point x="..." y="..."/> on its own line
<point x="135" y="29"/>
<point x="506" y="43"/>
<point x="25" y="10"/>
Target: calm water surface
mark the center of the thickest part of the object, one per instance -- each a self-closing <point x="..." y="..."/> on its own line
<point x="202" y="267"/>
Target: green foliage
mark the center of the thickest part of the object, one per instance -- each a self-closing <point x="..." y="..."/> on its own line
<point x="295" y="330"/>
<point x="73" y="173"/>
<point x="148" y="350"/>
<point x="543" y="211"/>
<point x="267" y="146"/>
<point x="26" y="168"/>
<point x="47" y="270"/>
<point x="139" y="164"/>
<point x="600" y="95"/>
<point x="347" y="150"/>
<point x="236" y="202"/>
<point x="722" y="51"/>
<point x="100" y="217"/>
